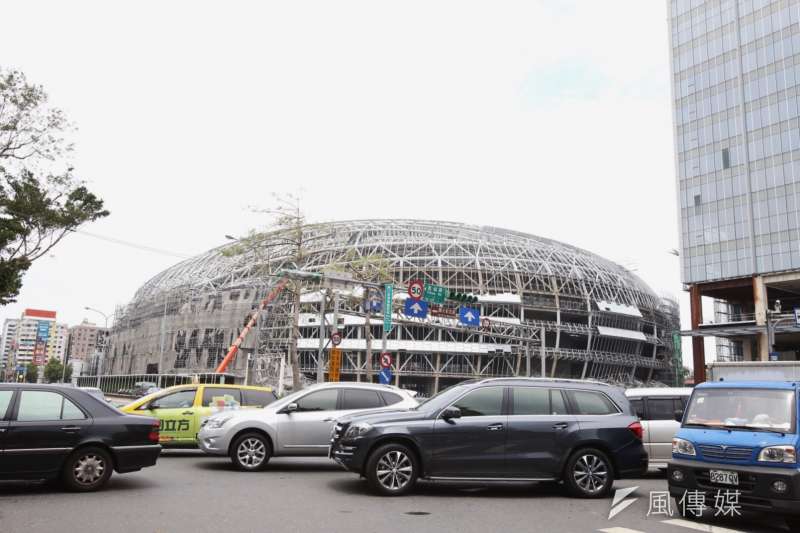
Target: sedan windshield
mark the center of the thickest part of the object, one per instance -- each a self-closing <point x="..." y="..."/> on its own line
<point x="746" y="409"/>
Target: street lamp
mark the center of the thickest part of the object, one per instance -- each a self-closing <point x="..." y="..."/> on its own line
<point x="105" y="344"/>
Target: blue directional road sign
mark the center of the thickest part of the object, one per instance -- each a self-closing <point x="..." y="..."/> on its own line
<point x="469" y="316"/>
<point x="416" y="308"/>
<point x="385" y="376"/>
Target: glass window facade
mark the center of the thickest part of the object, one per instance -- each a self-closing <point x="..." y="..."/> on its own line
<point x="735" y="85"/>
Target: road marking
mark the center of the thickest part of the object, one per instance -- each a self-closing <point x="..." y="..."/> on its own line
<point x="700" y="527"/>
<point x="620" y="530"/>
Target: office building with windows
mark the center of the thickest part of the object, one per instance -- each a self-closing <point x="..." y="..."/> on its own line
<point x="735" y="68"/>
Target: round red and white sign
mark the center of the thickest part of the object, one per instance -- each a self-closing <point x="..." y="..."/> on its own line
<point x="386" y="359"/>
<point x="336" y="338"/>
<point x="416" y="289"/>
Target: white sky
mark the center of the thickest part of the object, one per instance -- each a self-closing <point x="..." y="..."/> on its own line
<point x="551" y="118"/>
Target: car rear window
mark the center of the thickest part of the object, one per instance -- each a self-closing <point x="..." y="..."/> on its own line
<point x="361" y="399"/>
<point x="391" y="398"/>
<point x="258" y="398"/>
<point x="592" y="403"/>
<point x="662" y="408"/>
<point x="221" y="397"/>
<point x="45" y="406"/>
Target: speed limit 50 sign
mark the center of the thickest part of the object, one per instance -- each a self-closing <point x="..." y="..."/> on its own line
<point x="416" y="289"/>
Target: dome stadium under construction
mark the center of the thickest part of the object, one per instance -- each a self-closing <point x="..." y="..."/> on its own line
<point x="538" y="298"/>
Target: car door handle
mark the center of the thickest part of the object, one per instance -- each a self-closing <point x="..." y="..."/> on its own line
<point x="329" y="420"/>
<point x="494" y="427"/>
<point x="561" y="425"/>
<point x="71" y="429"/>
<point x="187" y="413"/>
<point x="2" y="430"/>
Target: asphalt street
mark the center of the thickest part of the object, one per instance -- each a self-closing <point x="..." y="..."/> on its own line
<point x="188" y="491"/>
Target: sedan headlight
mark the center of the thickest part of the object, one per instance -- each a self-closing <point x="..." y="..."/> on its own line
<point x="683" y="447"/>
<point x="216" y="423"/>
<point x="778" y="454"/>
<point x="357" y="430"/>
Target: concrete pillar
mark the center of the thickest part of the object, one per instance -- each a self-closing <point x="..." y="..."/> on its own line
<point x="760" y="304"/>
<point x="698" y="346"/>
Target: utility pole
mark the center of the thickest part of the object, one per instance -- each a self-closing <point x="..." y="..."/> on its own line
<point x="322" y="335"/>
<point x="163" y="338"/>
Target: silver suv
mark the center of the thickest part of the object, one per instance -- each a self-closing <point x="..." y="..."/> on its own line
<point x="298" y="424"/>
<point x="656" y="409"/>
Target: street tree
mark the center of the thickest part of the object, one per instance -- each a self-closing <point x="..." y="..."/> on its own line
<point x="41" y="199"/>
<point x="54" y="371"/>
<point x="373" y="268"/>
<point x="31" y="373"/>
<point x="283" y="244"/>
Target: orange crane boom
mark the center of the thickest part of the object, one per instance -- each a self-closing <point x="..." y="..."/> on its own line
<point x="252" y="322"/>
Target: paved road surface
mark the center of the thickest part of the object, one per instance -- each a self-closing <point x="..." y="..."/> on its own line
<point x="188" y="491"/>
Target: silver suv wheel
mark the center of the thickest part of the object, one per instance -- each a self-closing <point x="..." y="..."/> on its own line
<point x="251" y="452"/>
<point x="590" y="473"/>
<point x="394" y="470"/>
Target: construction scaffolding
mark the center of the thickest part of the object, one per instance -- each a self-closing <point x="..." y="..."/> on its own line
<point x="593" y="318"/>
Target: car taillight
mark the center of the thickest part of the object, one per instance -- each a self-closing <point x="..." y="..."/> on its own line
<point x="153" y="436"/>
<point x="636" y="429"/>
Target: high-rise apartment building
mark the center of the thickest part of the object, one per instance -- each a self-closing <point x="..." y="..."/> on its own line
<point x="9" y="337"/>
<point x="735" y="85"/>
<point x="37" y="337"/>
<point x="85" y="341"/>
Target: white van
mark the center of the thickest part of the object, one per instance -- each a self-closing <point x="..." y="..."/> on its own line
<point x="656" y="409"/>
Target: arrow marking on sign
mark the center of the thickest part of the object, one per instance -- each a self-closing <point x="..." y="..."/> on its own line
<point x="469" y="316"/>
<point x="416" y="308"/>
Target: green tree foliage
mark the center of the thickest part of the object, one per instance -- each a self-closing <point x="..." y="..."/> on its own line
<point x="284" y="244"/>
<point x="31" y="373"/>
<point x="54" y="370"/>
<point x="41" y="200"/>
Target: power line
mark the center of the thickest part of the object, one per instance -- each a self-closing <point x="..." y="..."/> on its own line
<point x="133" y="245"/>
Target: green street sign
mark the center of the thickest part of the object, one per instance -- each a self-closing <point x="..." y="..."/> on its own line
<point x="435" y="294"/>
<point x="388" y="295"/>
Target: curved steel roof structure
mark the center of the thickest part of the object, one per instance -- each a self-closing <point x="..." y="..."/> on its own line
<point x="591" y="317"/>
<point x="413" y="244"/>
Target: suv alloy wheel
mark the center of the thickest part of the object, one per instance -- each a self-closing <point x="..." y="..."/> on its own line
<point x="589" y="474"/>
<point x="392" y="469"/>
<point x="251" y="452"/>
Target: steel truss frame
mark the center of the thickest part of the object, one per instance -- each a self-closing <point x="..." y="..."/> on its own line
<point x="541" y="278"/>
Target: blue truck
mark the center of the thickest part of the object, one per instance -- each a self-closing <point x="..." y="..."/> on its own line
<point x="739" y="438"/>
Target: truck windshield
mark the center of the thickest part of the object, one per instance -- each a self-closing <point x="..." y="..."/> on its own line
<point x="743" y="409"/>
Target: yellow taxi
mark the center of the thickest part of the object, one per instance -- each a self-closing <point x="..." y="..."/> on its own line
<point x="183" y="408"/>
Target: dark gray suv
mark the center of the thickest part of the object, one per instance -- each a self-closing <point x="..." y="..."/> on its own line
<point x="506" y="429"/>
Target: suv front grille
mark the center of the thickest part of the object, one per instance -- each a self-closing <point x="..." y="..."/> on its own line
<point x="728" y="453"/>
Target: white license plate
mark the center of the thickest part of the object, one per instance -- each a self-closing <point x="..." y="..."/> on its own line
<point x="724" y="477"/>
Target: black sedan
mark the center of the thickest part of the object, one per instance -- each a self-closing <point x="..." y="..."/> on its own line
<point x="51" y="431"/>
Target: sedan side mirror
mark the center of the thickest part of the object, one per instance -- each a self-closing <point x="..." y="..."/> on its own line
<point x="451" y="412"/>
<point x="290" y="408"/>
<point x="679" y="415"/>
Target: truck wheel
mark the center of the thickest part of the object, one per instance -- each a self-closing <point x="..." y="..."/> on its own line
<point x="392" y="470"/>
<point x="589" y="474"/>
<point x="251" y="452"/>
